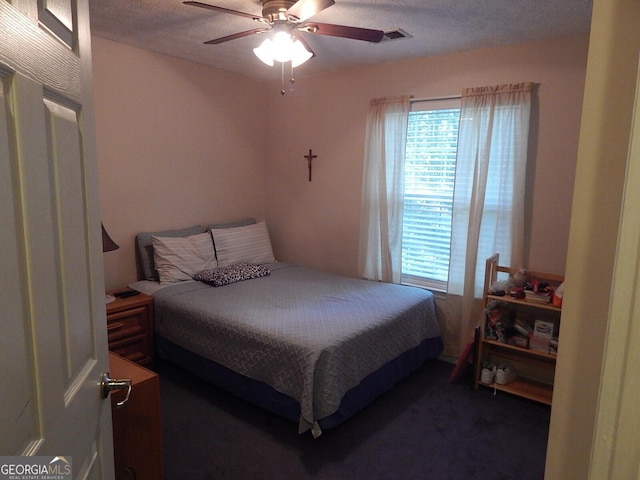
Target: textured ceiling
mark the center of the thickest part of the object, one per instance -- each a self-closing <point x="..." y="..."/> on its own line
<point x="435" y="27"/>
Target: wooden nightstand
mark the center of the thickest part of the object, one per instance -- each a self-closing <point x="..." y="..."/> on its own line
<point x="130" y="328"/>
<point x="137" y="432"/>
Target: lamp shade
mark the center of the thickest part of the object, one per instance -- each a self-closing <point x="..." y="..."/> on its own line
<point x="264" y="52"/>
<point x="108" y="244"/>
<point x="299" y="54"/>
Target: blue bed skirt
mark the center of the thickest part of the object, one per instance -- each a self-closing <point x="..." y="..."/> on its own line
<point x="264" y="396"/>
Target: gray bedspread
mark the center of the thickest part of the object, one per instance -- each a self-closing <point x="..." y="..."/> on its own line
<point x="308" y="334"/>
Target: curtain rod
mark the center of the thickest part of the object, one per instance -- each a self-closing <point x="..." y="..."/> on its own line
<point x="430" y="99"/>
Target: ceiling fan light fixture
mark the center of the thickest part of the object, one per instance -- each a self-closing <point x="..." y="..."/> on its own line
<point x="265" y="52"/>
<point x="299" y="53"/>
<point x="283" y="47"/>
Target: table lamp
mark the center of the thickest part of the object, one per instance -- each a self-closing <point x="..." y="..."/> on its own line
<point x="108" y="245"/>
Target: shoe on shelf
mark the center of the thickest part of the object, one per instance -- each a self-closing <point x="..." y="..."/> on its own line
<point x="488" y="374"/>
<point x="505" y="375"/>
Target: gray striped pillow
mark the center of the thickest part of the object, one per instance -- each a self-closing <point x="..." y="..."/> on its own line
<point x="180" y="258"/>
<point x="248" y="244"/>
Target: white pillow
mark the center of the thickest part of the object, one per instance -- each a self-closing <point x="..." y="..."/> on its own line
<point x="247" y="244"/>
<point x="180" y="258"/>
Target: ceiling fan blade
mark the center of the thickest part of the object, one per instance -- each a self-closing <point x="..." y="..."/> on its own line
<point x="246" y="33"/>
<point x="303" y="9"/>
<point x="257" y="18"/>
<point x="355" y="33"/>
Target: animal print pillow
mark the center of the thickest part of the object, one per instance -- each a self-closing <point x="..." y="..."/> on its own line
<point x="237" y="272"/>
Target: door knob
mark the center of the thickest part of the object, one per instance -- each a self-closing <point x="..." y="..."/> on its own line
<point x="108" y="384"/>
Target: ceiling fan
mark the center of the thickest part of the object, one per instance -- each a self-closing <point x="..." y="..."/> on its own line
<point x="290" y="17"/>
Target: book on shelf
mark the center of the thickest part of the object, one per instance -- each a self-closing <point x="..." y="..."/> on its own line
<point x="534" y="297"/>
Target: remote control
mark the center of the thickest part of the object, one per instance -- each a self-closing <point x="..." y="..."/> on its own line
<point x="126" y="293"/>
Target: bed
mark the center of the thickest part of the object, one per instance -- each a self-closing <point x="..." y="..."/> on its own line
<point x="310" y="346"/>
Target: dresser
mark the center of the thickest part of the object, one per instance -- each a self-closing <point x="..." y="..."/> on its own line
<point x="137" y="435"/>
<point x="130" y="327"/>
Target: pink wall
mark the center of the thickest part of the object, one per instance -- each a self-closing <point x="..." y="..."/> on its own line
<point x="317" y="223"/>
<point x="177" y="144"/>
<point x="180" y="143"/>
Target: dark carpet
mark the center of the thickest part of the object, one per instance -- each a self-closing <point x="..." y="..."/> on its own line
<point x="425" y="428"/>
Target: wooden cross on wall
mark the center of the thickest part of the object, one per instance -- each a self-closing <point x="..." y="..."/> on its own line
<point x="309" y="158"/>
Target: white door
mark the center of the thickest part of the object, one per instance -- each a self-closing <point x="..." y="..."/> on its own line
<point x="53" y="346"/>
<point x="616" y="445"/>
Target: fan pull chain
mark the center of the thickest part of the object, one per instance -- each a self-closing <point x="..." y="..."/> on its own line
<point x="292" y="80"/>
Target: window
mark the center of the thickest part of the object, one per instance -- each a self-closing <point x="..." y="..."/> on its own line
<point x="430" y="166"/>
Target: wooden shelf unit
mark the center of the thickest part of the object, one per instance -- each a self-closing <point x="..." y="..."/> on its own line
<point x="137" y="429"/>
<point x="487" y="350"/>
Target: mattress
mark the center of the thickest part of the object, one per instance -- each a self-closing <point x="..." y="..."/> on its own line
<point x="309" y="335"/>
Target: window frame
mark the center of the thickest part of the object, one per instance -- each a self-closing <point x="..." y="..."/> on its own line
<point x="443" y="103"/>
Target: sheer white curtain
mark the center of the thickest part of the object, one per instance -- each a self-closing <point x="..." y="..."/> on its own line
<point x="488" y="210"/>
<point x="380" y="254"/>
